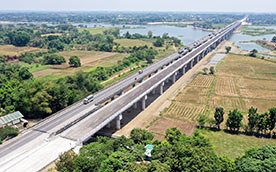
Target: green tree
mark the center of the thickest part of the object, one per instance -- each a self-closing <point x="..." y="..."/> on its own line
<point x="256" y="160"/>
<point x="127" y="35"/>
<point x="273" y="39"/>
<point x="253" y="53"/>
<point x="172" y="135"/>
<point x="53" y="59"/>
<point x="228" y="49"/>
<point x="272" y="119"/>
<point x="205" y="70"/>
<point x="234" y="120"/>
<point x="140" y="135"/>
<point x="157" y="166"/>
<point x="212" y="70"/>
<point x="66" y="162"/>
<point x="74" y="61"/>
<point x="20" y="39"/>
<point x="110" y="165"/>
<point x="24" y="73"/>
<point x="57" y="44"/>
<point x="92" y="155"/>
<point x="252" y="118"/>
<point x="219" y="116"/>
<point x="159" y="42"/>
<point x="202" y="120"/>
<point x="150" y="34"/>
<point x="262" y="124"/>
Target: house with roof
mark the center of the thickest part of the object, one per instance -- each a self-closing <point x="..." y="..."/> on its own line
<point x="14" y="119"/>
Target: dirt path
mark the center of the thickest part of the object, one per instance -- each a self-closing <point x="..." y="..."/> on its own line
<point x="153" y="110"/>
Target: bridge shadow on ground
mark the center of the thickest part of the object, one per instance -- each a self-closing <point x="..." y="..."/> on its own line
<point x="132" y="112"/>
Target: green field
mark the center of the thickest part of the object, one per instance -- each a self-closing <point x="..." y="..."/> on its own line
<point x="95" y="30"/>
<point x="232" y="145"/>
<point x="257" y="31"/>
<point x="133" y="42"/>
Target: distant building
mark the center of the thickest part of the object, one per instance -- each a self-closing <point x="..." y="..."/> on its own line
<point x="14" y="119"/>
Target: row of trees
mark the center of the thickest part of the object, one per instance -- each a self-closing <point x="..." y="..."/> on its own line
<point x="37" y="99"/>
<point x="119" y="17"/>
<point x="176" y="153"/>
<point x="273" y="39"/>
<point x="159" y="41"/>
<point x="257" y="123"/>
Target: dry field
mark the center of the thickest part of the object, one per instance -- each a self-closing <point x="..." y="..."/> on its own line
<point x="159" y="130"/>
<point x="240" y="82"/>
<point x="89" y="60"/>
<point x="11" y="50"/>
<point x="133" y="42"/>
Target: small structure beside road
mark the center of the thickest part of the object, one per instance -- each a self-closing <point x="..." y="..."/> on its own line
<point x="14" y="119"/>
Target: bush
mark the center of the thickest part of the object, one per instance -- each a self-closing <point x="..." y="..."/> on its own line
<point x="202" y="120"/>
<point x="53" y="59"/>
<point x="8" y="132"/>
<point x="140" y="135"/>
<point x="74" y="61"/>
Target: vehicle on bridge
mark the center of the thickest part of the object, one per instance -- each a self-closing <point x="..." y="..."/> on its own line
<point x="140" y="71"/>
<point x="88" y="99"/>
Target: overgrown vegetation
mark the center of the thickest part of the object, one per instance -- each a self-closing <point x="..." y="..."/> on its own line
<point x="177" y="153"/>
<point x="7" y="132"/>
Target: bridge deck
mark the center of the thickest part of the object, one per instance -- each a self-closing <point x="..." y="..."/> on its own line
<point x="99" y="119"/>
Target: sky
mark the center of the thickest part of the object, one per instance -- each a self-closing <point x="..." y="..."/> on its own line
<point x="268" y="6"/>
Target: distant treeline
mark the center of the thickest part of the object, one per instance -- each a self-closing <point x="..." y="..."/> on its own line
<point x="116" y="17"/>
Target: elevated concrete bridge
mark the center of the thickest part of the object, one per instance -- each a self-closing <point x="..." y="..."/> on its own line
<point x="155" y="82"/>
<point x="76" y="124"/>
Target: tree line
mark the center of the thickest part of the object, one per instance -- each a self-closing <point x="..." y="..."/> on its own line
<point x="118" y="17"/>
<point x="176" y="153"/>
<point x="36" y="98"/>
<point x="258" y="123"/>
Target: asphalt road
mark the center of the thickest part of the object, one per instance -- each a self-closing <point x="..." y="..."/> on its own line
<point x="78" y="108"/>
<point x="89" y="125"/>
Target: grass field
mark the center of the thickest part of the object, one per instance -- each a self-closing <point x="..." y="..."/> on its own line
<point x="257" y="31"/>
<point x="133" y="42"/>
<point x="89" y="60"/>
<point x="95" y="30"/>
<point x="15" y="51"/>
<point x="233" y="146"/>
<point x="240" y="82"/>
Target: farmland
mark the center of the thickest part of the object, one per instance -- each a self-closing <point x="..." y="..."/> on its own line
<point x="240" y="82"/>
<point x="11" y="50"/>
<point x="89" y="60"/>
<point x="133" y="42"/>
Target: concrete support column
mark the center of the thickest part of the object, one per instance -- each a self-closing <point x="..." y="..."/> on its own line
<point x="174" y="77"/>
<point x="118" y="121"/>
<point x="162" y="88"/>
<point x="144" y="102"/>
<point x="167" y="80"/>
<point x="135" y="105"/>
<point x="197" y="58"/>
<point x="184" y="70"/>
<point x="192" y="63"/>
<point x="153" y="91"/>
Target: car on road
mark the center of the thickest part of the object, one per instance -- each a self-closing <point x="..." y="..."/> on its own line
<point x="140" y="71"/>
<point x="88" y="99"/>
